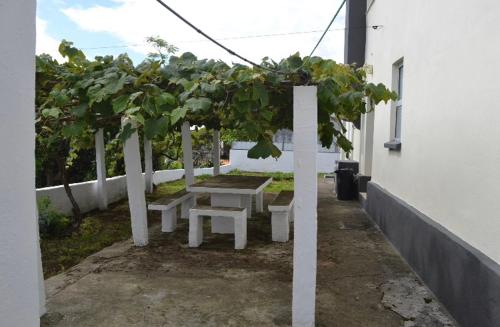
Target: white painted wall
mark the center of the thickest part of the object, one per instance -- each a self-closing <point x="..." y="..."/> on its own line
<point x="86" y="193"/>
<point x="239" y="160"/>
<point x="19" y="256"/>
<point x="450" y="106"/>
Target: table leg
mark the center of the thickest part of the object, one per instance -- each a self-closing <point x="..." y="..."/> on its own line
<point x="225" y="225"/>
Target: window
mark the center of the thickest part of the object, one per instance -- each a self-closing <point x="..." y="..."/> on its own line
<point x="397" y="108"/>
<point x="399" y="102"/>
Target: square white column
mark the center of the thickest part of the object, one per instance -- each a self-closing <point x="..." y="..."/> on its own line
<point x="135" y="189"/>
<point x="216" y="152"/>
<point x="148" y="165"/>
<point x="305" y="143"/>
<point x="19" y="257"/>
<point x="187" y="150"/>
<point x="100" y="160"/>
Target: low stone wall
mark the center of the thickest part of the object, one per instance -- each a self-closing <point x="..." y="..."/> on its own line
<point x="86" y="193"/>
<point x="325" y="162"/>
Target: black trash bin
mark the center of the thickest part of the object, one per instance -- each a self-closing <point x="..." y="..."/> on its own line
<point x="344" y="184"/>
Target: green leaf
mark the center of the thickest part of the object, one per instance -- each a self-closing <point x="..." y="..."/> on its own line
<point x="196" y="104"/>
<point x="80" y="110"/>
<point x="268" y="115"/>
<point x="177" y="114"/>
<point x="73" y="130"/>
<point x="51" y="112"/>
<point x="208" y="88"/>
<point x="134" y="96"/>
<point x="126" y="131"/>
<point x="132" y="110"/>
<point x="165" y="98"/>
<point x="120" y="103"/>
<point x="260" y="93"/>
<point x="66" y="49"/>
<point x="115" y="85"/>
<point x="154" y="127"/>
<point x="263" y="149"/>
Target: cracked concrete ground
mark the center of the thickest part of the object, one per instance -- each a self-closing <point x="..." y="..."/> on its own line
<point x="361" y="280"/>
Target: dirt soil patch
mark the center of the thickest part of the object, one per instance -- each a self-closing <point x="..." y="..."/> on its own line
<point x="168" y="284"/>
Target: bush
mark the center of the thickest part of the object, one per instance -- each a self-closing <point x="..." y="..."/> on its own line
<point x="51" y="223"/>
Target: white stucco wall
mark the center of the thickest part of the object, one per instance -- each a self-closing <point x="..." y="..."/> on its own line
<point x="19" y="295"/>
<point x="450" y="107"/>
<point x="87" y="196"/>
<point x="239" y="160"/>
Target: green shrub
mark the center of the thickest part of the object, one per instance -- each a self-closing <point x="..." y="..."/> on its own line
<point x="51" y="222"/>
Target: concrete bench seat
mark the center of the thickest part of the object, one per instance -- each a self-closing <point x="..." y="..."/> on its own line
<point x="281" y="215"/>
<point x="239" y="215"/>
<point x="168" y="207"/>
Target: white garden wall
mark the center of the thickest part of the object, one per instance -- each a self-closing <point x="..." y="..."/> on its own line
<point x="450" y="105"/>
<point x="239" y="160"/>
<point x="86" y="193"/>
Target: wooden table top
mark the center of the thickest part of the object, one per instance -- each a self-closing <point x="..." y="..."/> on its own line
<point x="231" y="184"/>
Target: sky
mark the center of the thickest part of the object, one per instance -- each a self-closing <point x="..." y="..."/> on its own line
<point x="111" y="27"/>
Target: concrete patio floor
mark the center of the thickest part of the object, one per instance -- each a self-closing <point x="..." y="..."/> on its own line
<point x="361" y="280"/>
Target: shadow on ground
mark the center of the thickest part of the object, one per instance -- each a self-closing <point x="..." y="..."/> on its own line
<point x="361" y="280"/>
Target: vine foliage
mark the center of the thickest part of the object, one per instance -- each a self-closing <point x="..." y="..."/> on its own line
<point x="77" y="97"/>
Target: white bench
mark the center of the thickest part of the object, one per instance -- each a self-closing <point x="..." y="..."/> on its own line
<point x="281" y="215"/>
<point x="168" y="207"/>
<point x="239" y="215"/>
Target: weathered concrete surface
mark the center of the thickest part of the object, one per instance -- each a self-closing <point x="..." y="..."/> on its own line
<point x="361" y="280"/>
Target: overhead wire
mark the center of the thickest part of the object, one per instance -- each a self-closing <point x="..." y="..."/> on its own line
<point x="232" y="52"/>
<point x="241" y="37"/>
<point x="163" y="4"/>
<point x="327" y="29"/>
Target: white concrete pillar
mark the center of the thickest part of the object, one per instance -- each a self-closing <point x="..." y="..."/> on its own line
<point x="100" y="160"/>
<point x="135" y="188"/>
<point x="187" y="150"/>
<point x="216" y="153"/>
<point x="305" y="140"/>
<point x="148" y="165"/>
<point x="19" y="274"/>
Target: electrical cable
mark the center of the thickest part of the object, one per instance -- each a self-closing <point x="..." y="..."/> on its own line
<point x="255" y="36"/>
<point x="211" y="39"/>
<point x="327" y="28"/>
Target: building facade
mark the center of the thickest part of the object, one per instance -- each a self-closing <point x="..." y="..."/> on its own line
<point x="434" y="154"/>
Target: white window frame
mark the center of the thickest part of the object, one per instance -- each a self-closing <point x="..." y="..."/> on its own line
<point x="399" y="101"/>
<point x="397" y="107"/>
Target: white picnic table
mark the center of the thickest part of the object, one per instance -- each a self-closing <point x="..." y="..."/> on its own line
<point x="232" y="191"/>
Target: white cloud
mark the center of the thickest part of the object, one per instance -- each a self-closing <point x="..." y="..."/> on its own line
<point x="133" y="20"/>
<point x="46" y="43"/>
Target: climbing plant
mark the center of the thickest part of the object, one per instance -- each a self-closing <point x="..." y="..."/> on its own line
<point x="163" y="91"/>
<point x="77" y="97"/>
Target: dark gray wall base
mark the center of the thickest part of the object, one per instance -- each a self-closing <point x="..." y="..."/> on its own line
<point x="465" y="280"/>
